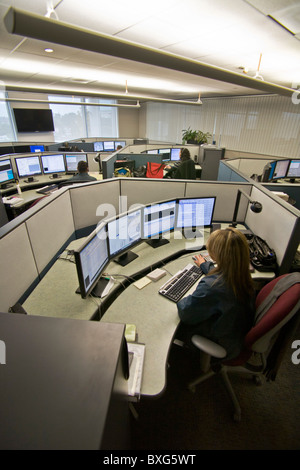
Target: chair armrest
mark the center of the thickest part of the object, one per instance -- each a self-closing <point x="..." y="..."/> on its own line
<point x="208" y="346"/>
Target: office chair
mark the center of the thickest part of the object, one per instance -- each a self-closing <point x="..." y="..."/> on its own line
<point x="267" y="340"/>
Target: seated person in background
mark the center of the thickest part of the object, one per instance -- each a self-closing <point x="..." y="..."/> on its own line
<point x="119" y="147"/>
<point x="185" y="170"/>
<point x="82" y="175"/>
<point x="222" y="306"/>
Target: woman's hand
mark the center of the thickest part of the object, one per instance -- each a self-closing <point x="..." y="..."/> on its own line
<point x="198" y="259"/>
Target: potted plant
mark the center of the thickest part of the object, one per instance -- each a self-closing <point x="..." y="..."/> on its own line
<point x="195" y="137"/>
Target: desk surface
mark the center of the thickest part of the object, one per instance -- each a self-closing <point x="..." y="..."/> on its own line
<point x="155" y="317"/>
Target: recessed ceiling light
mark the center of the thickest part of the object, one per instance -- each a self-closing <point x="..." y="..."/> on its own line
<point x="49" y="50"/>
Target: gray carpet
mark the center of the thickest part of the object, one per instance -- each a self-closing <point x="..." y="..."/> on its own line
<point x="182" y="420"/>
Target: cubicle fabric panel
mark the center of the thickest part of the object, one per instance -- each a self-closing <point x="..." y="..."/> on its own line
<point x="50" y="228"/>
<point x="18" y="270"/>
<point x="228" y="173"/>
<point x="225" y="198"/>
<point x="145" y="191"/>
<point x="277" y="224"/>
<point x="91" y="201"/>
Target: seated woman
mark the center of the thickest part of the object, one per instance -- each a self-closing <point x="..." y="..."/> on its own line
<point x="185" y="170"/>
<point x="222" y="306"/>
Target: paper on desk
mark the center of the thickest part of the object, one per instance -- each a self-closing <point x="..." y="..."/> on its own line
<point x="12" y="201"/>
<point x="108" y="287"/>
<point x="136" y="368"/>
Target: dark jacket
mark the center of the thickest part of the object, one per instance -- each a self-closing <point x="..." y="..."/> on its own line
<point x="185" y="170"/>
<point x="213" y="311"/>
<point x="82" y="177"/>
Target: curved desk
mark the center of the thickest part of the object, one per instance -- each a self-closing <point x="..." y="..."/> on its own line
<point x="155" y="317"/>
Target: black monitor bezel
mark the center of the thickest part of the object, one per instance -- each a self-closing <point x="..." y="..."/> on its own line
<point x="52" y="155"/>
<point x="177" y="227"/>
<point x="114" y="256"/>
<point x="33" y="155"/>
<point x="77" y="253"/>
<point x="9" y="180"/>
<point x="74" y="155"/>
<point x="287" y="173"/>
<point x="158" y="235"/>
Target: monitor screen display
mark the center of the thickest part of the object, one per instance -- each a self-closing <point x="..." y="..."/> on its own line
<point x="152" y="152"/>
<point x="53" y="164"/>
<point x="124" y="232"/>
<point x="91" y="259"/>
<point x="72" y="161"/>
<point x="294" y="169"/>
<point x="118" y="143"/>
<point x="37" y="148"/>
<point x="34" y="120"/>
<point x="280" y="169"/>
<point x="28" y="166"/>
<point x="6" y="172"/>
<point x="195" y="212"/>
<point x="98" y="147"/>
<point x="109" y="146"/>
<point x="175" y="155"/>
<point x="158" y="218"/>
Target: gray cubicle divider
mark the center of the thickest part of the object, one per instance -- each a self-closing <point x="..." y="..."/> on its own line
<point x="90" y="200"/>
<point x="228" y="173"/>
<point x="30" y="243"/>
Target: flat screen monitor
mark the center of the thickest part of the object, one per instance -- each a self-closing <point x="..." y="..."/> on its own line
<point x="108" y="146"/>
<point x="6" y="173"/>
<point x="194" y="213"/>
<point x="34" y="120"/>
<point x="124" y="232"/>
<point x="37" y="148"/>
<point x="152" y="152"/>
<point x="158" y="219"/>
<point x="175" y="155"/>
<point x="28" y="166"/>
<point x="294" y="169"/>
<point x="91" y="259"/>
<point x="280" y="170"/>
<point x="98" y="147"/>
<point x="72" y="161"/>
<point x="119" y="142"/>
<point x="53" y="164"/>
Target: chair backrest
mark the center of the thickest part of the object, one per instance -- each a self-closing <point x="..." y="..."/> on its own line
<point x="284" y="307"/>
<point x="259" y="338"/>
<point x="188" y="170"/>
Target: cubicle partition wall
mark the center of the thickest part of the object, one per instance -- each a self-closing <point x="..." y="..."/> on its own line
<point x="30" y="243"/>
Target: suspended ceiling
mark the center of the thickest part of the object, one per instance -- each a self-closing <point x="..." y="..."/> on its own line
<point x="244" y="38"/>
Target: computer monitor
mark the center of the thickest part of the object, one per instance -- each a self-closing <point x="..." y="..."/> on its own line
<point x="280" y="170"/>
<point x="175" y="155"/>
<point x="109" y="146"/>
<point x="28" y="166"/>
<point x="91" y="259"/>
<point x="37" y="148"/>
<point x="124" y="232"/>
<point x="153" y="152"/>
<point x="53" y="164"/>
<point x="119" y="142"/>
<point x="72" y="161"/>
<point x="158" y="218"/>
<point x="194" y="213"/>
<point x="98" y="147"/>
<point x="293" y="170"/>
<point x="6" y="174"/>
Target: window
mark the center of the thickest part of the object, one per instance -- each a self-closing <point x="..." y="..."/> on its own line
<point x="7" y="132"/>
<point x="102" y="121"/>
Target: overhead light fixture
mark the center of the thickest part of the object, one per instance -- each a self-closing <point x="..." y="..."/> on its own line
<point x="46" y="29"/>
<point x="48" y="50"/>
<point x="255" y="206"/>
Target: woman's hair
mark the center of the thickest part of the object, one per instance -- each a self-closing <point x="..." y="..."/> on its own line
<point x="229" y="249"/>
<point x="185" y="154"/>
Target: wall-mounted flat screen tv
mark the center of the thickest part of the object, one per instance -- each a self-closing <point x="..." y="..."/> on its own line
<point x="34" y="120"/>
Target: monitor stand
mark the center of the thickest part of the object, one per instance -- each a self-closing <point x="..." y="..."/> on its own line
<point x="191" y="233"/>
<point x="6" y="185"/>
<point x="54" y="176"/>
<point x="98" y="289"/>
<point x="156" y="242"/>
<point x="30" y="179"/>
<point x="126" y="258"/>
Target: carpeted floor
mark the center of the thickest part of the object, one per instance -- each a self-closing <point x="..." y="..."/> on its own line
<point x="182" y="420"/>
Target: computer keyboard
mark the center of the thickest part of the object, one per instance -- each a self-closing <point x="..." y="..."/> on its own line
<point x="181" y="282"/>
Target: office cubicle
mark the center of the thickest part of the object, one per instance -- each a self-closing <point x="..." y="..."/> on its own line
<point x="30" y="244"/>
